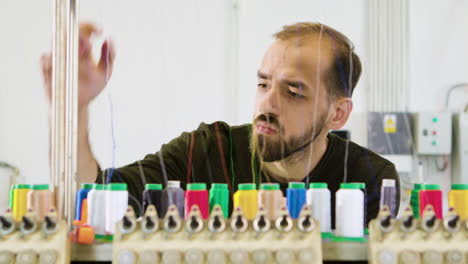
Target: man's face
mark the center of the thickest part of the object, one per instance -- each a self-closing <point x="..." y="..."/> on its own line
<point x="292" y="103"/>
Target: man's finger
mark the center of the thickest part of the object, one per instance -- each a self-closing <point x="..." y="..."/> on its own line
<point x="46" y="62"/>
<point x="88" y="29"/>
<point x="107" y="59"/>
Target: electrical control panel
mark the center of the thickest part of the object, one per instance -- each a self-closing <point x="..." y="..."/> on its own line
<point x="433" y="133"/>
<point x="33" y="241"/>
<point x="389" y="133"/>
<point x="217" y="240"/>
<point x="418" y="241"/>
<point x="460" y="148"/>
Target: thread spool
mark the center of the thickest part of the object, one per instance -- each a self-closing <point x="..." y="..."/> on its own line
<point x="270" y="198"/>
<point x="431" y="194"/>
<point x="388" y="196"/>
<point x="116" y="198"/>
<point x="415" y="199"/>
<point x="246" y="198"/>
<point x="349" y="210"/>
<point x="81" y="195"/>
<point x="153" y="195"/>
<point x="20" y="200"/>
<point x="173" y="195"/>
<point x="40" y="200"/>
<point x="96" y="209"/>
<point x="219" y="195"/>
<point x="458" y="200"/>
<point x="318" y="197"/>
<point x="196" y="194"/>
<point x="296" y="198"/>
<point x="362" y="187"/>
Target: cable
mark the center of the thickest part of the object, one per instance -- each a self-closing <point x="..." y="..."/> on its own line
<point x="15" y="170"/>
<point x="444" y="165"/>
<point x="451" y="89"/>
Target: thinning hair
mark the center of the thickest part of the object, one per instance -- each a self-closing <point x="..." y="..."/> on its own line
<point x="345" y="70"/>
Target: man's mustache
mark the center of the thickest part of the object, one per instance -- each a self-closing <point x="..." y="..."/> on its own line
<point x="268" y="118"/>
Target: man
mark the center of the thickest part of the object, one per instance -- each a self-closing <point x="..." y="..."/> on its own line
<point x="305" y="83"/>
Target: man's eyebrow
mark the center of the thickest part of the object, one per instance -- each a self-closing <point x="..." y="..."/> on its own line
<point x="296" y="84"/>
<point x="263" y="75"/>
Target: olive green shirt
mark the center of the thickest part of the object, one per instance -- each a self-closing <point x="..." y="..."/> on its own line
<point x="219" y="153"/>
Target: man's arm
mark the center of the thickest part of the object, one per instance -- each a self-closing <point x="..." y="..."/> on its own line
<point x="92" y="78"/>
<point x="87" y="165"/>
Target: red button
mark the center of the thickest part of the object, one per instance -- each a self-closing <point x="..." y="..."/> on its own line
<point x="434" y="132"/>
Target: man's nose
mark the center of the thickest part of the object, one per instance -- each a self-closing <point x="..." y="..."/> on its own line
<point x="271" y="102"/>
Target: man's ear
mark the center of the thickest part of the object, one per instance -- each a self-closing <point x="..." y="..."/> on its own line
<point x="341" y="109"/>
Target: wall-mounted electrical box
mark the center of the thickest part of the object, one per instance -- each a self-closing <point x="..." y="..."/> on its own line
<point x="433" y="133"/>
<point x="389" y="133"/>
<point x="460" y="149"/>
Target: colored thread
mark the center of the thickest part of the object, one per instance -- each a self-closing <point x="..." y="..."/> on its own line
<point x="318" y="76"/>
<point x="271" y="198"/>
<point x="231" y="158"/>
<point x="219" y="195"/>
<point x="189" y="162"/>
<point x="20" y="199"/>
<point x="80" y="196"/>
<point x="388" y="195"/>
<point x="196" y="194"/>
<point x="296" y="198"/>
<point x="458" y="199"/>
<point x="116" y="202"/>
<point x="431" y="194"/>
<point x="318" y="197"/>
<point x="173" y="194"/>
<point x="246" y="198"/>
<point x="349" y="210"/>
<point x="223" y="161"/>
<point x="163" y="167"/>
<point x="111" y="109"/>
<point x="253" y="168"/>
<point x="153" y="195"/>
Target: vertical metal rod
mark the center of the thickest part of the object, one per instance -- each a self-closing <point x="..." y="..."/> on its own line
<point x="64" y="106"/>
<point x="71" y="129"/>
<point x="58" y="89"/>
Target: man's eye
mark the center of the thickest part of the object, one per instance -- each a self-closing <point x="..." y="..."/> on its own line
<point x="295" y="95"/>
<point x="262" y="85"/>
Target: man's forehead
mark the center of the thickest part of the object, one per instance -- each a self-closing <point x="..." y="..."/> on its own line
<point x="298" y="55"/>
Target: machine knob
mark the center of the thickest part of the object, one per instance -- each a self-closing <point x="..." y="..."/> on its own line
<point x="386" y="221"/>
<point x="171" y="222"/>
<point x="261" y="222"/>
<point x="50" y="223"/>
<point x="452" y="223"/>
<point x="239" y="223"/>
<point x="127" y="223"/>
<point x="5" y="223"/>
<point x="431" y="222"/>
<point x="149" y="223"/>
<point x="408" y="222"/>
<point x="28" y="224"/>
<point x="194" y="223"/>
<point x="216" y="223"/>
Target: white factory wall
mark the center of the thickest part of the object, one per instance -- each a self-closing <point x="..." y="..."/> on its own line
<point x="439" y="59"/>
<point x="174" y="68"/>
<point x="439" y="53"/>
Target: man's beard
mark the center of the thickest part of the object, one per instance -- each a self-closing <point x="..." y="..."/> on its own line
<point x="274" y="150"/>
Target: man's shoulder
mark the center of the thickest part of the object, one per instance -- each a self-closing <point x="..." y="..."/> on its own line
<point x="359" y="157"/>
<point x="223" y="128"/>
